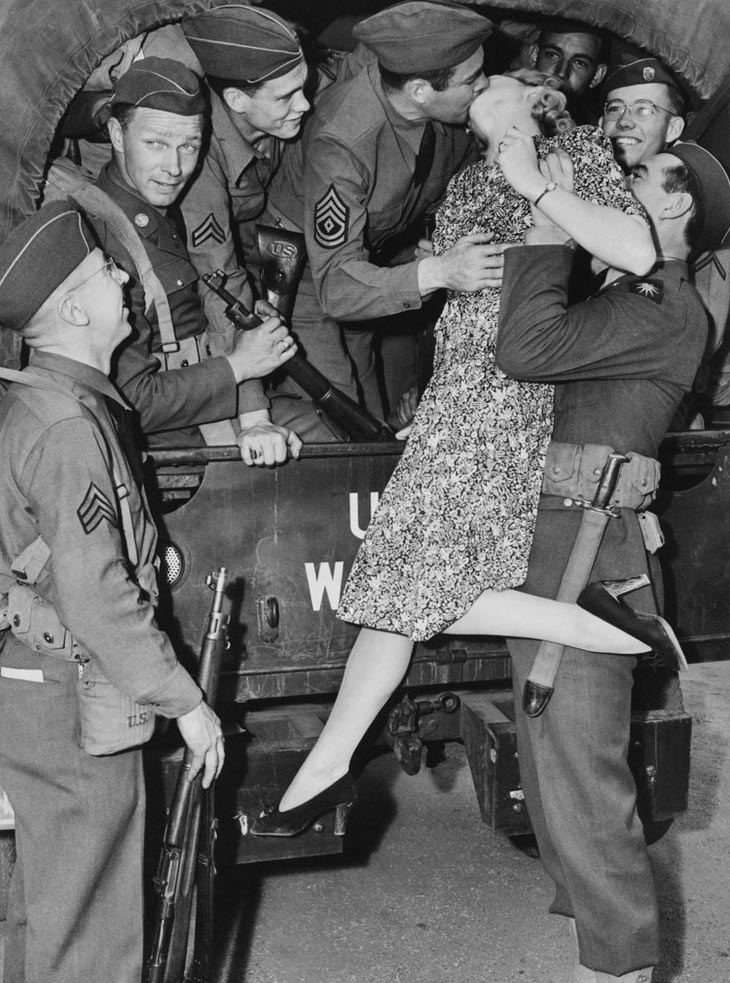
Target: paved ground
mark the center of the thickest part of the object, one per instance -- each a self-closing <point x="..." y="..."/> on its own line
<point x="428" y="895"/>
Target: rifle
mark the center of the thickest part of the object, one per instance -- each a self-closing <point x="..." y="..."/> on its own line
<point x="351" y="420"/>
<point x="179" y="858"/>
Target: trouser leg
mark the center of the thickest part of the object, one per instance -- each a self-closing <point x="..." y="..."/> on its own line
<point x="579" y="789"/>
<point x="79" y="828"/>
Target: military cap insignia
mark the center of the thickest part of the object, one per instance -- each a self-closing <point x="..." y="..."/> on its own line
<point x="209" y="228"/>
<point x="651" y="289"/>
<point x="648" y="74"/>
<point x="141" y="220"/>
<point x="94" y="509"/>
<point x="331" y="218"/>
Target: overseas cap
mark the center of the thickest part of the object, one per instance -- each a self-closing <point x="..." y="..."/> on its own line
<point x="160" y="83"/>
<point x="37" y="257"/>
<point x="423" y="36"/>
<point x="630" y="66"/>
<point x="242" y="43"/>
<point x="715" y="184"/>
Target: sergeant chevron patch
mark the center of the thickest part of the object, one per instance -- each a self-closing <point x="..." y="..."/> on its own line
<point x="94" y="509"/>
<point x="209" y="228"/>
<point x="331" y="217"/>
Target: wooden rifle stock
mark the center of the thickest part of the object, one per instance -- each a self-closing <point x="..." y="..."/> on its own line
<point x="351" y="420"/>
<point x="175" y="880"/>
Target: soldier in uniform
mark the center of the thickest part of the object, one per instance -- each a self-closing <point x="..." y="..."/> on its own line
<point x="77" y="574"/>
<point x="622" y="361"/>
<point x="643" y="108"/>
<point x="255" y="68"/>
<point x="374" y="158"/>
<point x="156" y="131"/>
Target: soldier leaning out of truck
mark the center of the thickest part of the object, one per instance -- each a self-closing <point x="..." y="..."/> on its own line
<point x="156" y="132"/>
<point x="83" y="666"/>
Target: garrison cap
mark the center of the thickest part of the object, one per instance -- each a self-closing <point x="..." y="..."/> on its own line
<point x="715" y="184"/>
<point x="243" y="43"/>
<point x="423" y="35"/>
<point x="160" y="83"/>
<point x="37" y="257"/>
<point x="630" y="66"/>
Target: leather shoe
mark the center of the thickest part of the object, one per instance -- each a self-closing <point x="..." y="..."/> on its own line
<point x="600" y="598"/>
<point x="339" y="796"/>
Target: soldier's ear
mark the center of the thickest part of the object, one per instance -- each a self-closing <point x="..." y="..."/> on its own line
<point x="70" y="310"/>
<point x="236" y="99"/>
<point x="116" y="135"/>
<point x="419" y="90"/>
<point x="675" y="129"/>
<point x="532" y="52"/>
<point x="598" y="76"/>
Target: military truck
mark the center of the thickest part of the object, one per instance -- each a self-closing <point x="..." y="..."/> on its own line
<point x="288" y="536"/>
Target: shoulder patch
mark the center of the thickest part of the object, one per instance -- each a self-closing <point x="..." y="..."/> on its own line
<point x="209" y="228"/>
<point x="331" y="219"/>
<point x="94" y="509"/>
<point x="651" y="288"/>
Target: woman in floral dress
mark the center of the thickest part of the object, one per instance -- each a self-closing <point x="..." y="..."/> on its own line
<point x="453" y="530"/>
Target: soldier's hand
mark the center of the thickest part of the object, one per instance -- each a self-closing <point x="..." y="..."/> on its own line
<point x="201" y="730"/>
<point x="264" y="309"/>
<point x="423" y="249"/>
<point x="265" y="444"/>
<point x="407" y="406"/>
<point x="517" y="158"/>
<point x="261" y="351"/>
<point x="473" y="263"/>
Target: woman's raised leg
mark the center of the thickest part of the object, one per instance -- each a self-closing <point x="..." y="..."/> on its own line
<point x="514" y="614"/>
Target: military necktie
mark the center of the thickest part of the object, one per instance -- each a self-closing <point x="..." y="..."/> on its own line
<point x="122" y="420"/>
<point x="424" y="158"/>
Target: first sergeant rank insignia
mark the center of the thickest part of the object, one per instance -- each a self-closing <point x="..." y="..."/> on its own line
<point x="652" y="289"/>
<point x="331" y="217"/>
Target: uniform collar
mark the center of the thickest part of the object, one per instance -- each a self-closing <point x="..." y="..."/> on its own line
<point x="69" y="371"/>
<point x="144" y="216"/>
<point x="235" y="148"/>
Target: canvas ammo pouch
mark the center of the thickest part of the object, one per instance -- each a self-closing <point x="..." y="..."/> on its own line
<point x="109" y="720"/>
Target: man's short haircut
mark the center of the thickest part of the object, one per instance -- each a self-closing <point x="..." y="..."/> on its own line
<point x="438" y="79"/>
<point x="678" y="177"/>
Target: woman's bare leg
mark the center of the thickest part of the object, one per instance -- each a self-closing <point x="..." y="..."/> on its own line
<point x="377" y="663"/>
<point x="511" y="613"/>
<point x="379" y="660"/>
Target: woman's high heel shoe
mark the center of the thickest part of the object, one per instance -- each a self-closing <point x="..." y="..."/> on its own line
<point x="338" y="796"/>
<point x="602" y="599"/>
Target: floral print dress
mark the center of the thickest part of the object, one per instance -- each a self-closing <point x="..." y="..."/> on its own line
<point x="458" y="514"/>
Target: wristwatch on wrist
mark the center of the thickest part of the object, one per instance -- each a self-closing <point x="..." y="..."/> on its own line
<point x="550" y="186"/>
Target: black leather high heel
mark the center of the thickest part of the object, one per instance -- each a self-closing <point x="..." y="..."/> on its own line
<point x="338" y="796"/>
<point x="603" y="599"/>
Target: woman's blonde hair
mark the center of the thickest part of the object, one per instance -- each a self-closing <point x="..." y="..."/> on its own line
<point x="549" y="109"/>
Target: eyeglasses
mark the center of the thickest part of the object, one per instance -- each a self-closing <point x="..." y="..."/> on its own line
<point x="109" y="267"/>
<point x="640" y="109"/>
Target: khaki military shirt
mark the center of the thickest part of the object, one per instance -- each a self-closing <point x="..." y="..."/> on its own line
<point x="64" y="478"/>
<point x="349" y="186"/>
<point x="181" y="397"/>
